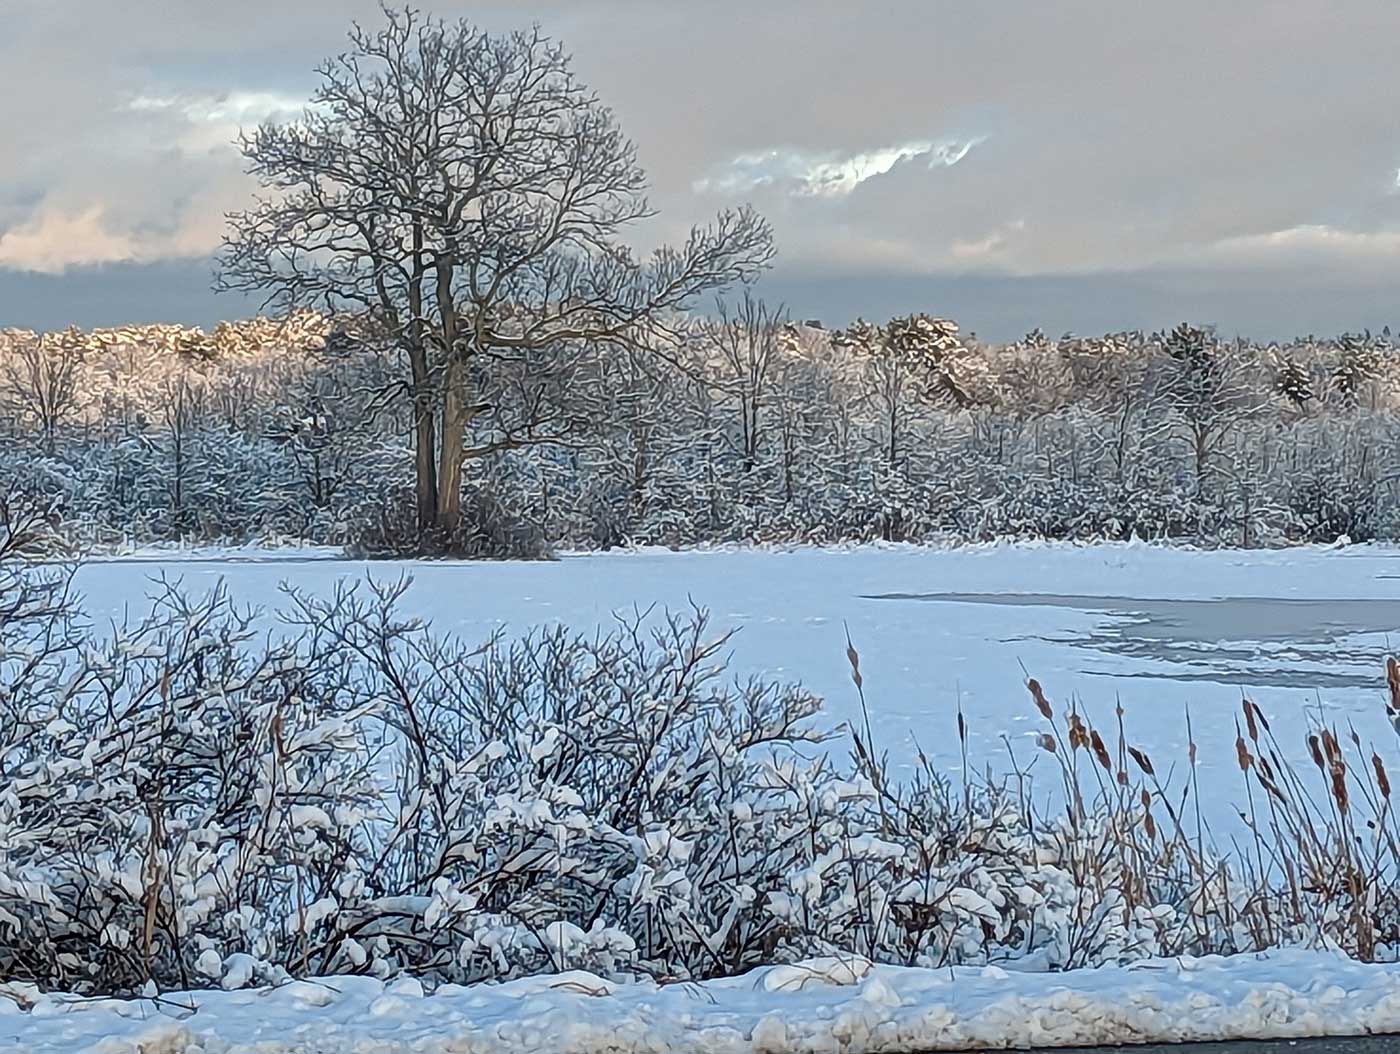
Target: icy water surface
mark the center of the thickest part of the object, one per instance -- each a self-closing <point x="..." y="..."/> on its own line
<point x="1253" y="638"/>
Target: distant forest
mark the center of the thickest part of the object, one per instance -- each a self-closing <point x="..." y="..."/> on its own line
<point x="749" y="428"/>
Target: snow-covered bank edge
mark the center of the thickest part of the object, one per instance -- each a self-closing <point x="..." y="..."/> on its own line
<point x="272" y="550"/>
<point x="822" y="1005"/>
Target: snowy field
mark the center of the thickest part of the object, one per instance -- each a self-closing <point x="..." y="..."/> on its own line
<point x="1302" y="632"/>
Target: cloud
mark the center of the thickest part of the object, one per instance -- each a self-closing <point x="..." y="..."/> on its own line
<point x="229" y="108"/>
<point x="912" y="138"/>
<point x="60" y="236"/>
<point x="831" y="174"/>
<point x="997" y="242"/>
<point x="168" y="173"/>
<point x="1313" y="241"/>
<point x="53" y="240"/>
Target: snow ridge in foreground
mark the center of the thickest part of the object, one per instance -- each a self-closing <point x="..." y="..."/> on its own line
<point x="817" y="1006"/>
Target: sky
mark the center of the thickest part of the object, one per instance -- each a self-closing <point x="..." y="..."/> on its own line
<point x="1077" y="166"/>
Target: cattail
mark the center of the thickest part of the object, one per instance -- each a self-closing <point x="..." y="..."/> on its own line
<point x="1042" y="704"/>
<point x="962" y="728"/>
<point x="1077" y="737"/>
<point x="1316" y="751"/>
<point x="1143" y="761"/>
<point x="1330" y="747"/>
<point x="1250" y="724"/>
<point x="1339" y="787"/>
<point x="1100" y="751"/>
<point x="853" y="657"/>
<point x="1047" y="742"/>
<point x="1122" y="777"/>
<point x="1392" y="677"/>
<point x="1150" y="825"/>
<point x="1146" y="799"/>
<point x="1242" y="754"/>
<point x="1191" y="753"/>
<point x="1382" y="780"/>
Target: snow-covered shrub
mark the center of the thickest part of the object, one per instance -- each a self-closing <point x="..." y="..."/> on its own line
<point x="169" y="798"/>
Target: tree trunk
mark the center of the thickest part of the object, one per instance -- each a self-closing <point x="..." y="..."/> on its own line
<point x="454" y="408"/>
<point x="894" y="432"/>
<point x="450" y="456"/>
<point x="424" y="447"/>
<point x="426" y="486"/>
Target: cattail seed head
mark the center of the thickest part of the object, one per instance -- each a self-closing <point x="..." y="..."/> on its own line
<point x="1330" y="748"/>
<point x="1250" y="724"/>
<point x="1078" y="738"/>
<point x="1042" y="704"/>
<point x="1242" y="754"/>
<point x="1339" y="788"/>
<point x="1382" y="779"/>
<point x="1143" y="761"/>
<point x="853" y="657"/>
<point x="1100" y="751"/>
<point x="1315" y="749"/>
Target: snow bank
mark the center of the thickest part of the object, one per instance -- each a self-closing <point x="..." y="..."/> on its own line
<point x="820" y="1005"/>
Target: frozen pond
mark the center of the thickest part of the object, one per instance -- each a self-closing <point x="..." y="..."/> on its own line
<point x="1302" y="632"/>
<point x="1219" y="635"/>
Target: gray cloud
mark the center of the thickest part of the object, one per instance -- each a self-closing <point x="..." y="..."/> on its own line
<point x="1169" y="156"/>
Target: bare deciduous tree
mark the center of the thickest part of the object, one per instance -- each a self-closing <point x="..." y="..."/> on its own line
<point x="465" y="190"/>
<point x="41" y="381"/>
<point x="912" y="360"/>
<point x="748" y="340"/>
<point x="182" y="409"/>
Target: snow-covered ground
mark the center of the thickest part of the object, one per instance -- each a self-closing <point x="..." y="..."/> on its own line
<point x="1303" y="632"/>
<point x="830" y="1005"/>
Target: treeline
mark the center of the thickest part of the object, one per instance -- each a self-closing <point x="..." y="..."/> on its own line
<point x="748" y="427"/>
